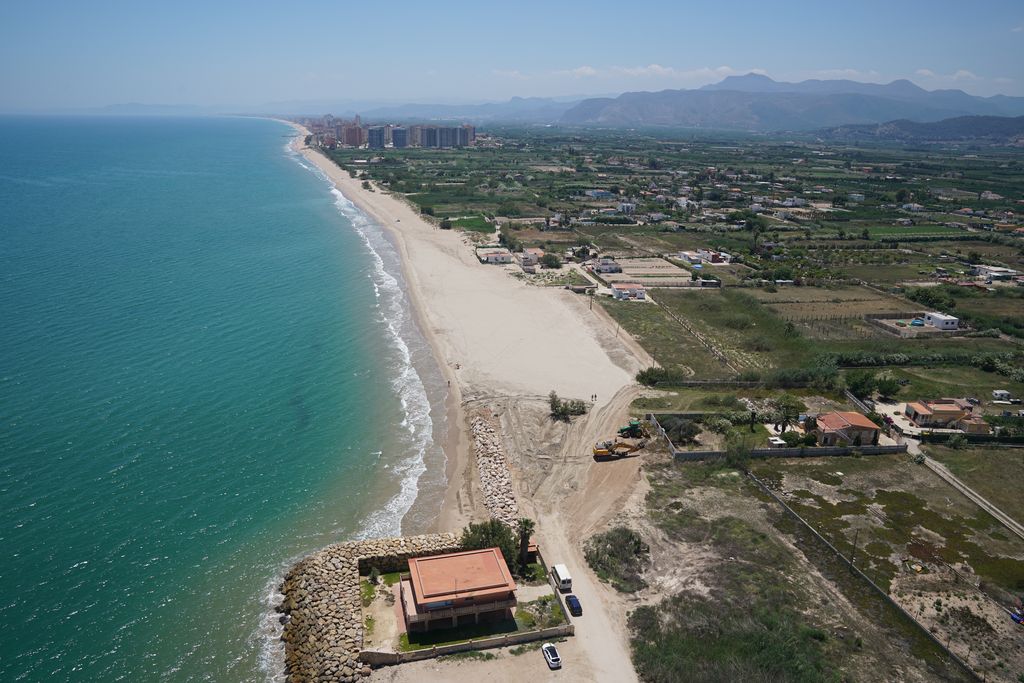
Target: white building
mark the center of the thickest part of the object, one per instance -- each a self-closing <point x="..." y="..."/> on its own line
<point x="628" y="290"/>
<point x="941" y="321"/>
<point x="531" y="256"/>
<point x="1001" y="394"/>
<point x="607" y="265"/>
<point x="494" y="255"/>
<point x="994" y="272"/>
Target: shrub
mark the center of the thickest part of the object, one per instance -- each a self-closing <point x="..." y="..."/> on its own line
<point x="565" y="410"/>
<point x="619" y="556"/>
<point x="492" y="534"/>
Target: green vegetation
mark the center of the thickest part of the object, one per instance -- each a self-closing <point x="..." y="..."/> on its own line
<point x="544" y="612"/>
<point x="992" y="472"/>
<point x="367" y="591"/>
<point x="493" y="533"/>
<point x="565" y="410"/>
<point x="451" y="636"/>
<point x="619" y="556"/>
<point x="469" y="655"/>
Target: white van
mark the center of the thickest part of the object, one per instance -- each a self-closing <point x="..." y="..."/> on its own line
<point x="562" y="578"/>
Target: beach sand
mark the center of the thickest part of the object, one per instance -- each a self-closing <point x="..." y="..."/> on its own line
<point x="503" y="345"/>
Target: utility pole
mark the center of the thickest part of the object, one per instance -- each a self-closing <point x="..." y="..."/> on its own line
<point x="853" y="552"/>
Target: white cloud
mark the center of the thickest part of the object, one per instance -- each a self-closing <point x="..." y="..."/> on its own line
<point x="1018" y="29"/>
<point x="514" y="74"/>
<point x="657" y="72"/>
<point x="925" y="73"/>
<point x="963" y="75"/>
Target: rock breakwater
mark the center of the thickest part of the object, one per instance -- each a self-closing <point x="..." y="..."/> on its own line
<point x="492" y="466"/>
<point x="323" y="618"/>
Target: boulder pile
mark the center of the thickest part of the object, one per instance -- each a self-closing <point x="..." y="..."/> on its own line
<point x="495" y="478"/>
<point x="322" y="609"/>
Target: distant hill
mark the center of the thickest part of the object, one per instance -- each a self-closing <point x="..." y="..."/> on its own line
<point x="993" y="129"/>
<point x="757" y="103"/>
<point x="518" y="110"/>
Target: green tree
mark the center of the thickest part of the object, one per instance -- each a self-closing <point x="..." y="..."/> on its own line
<point x="887" y="386"/>
<point x="550" y="260"/>
<point x="861" y="383"/>
<point x="787" y="411"/>
<point x="492" y="534"/>
<point x="525" y="528"/>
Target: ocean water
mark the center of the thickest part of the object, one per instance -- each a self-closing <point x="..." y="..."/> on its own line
<point x="208" y="368"/>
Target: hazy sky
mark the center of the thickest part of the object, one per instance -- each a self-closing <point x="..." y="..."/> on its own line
<point x="80" y="53"/>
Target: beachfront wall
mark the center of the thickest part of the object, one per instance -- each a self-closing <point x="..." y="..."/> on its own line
<point x="374" y="658"/>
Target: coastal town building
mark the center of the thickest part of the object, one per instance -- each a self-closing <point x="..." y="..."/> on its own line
<point x="946" y="413"/>
<point x="494" y="255"/>
<point x="607" y="265"/>
<point x="628" y="290"/>
<point x="445" y="591"/>
<point x="376" y="137"/>
<point x="846" y="428"/>
<point x="399" y="137"/>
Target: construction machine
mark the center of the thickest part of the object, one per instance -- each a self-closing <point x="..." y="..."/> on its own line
<point x="617" y="449"/>
<point x="634" y="430"/>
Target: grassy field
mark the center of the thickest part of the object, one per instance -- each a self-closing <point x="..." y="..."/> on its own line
<point x="670" y="345"/>
<point x="473" y="224"/>
<point x="898" y="230"/>
<point x="995" y="473"/>
<point x="940" y="382"/>
<point x="881" y="502"/>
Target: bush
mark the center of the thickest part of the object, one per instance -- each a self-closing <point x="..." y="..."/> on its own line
<point x="653" y="376"/>
<point x="493" y="534"/>
<point x="565" y="410"/>
<point x="619" y="556"/>
<point x="679" y="429"/>
<point x="550" y="260"/>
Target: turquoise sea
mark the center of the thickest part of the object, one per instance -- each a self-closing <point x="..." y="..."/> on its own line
<point x="208" y="368"/>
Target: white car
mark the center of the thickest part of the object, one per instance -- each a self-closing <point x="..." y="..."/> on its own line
<point x="551" y="656"/>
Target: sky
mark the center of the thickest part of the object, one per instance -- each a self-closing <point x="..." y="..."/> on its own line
<point x="73" y="54"/>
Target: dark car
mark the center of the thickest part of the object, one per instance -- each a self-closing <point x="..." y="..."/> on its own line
<point x="575" y="608"/>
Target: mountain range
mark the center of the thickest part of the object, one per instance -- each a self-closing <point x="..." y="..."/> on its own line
<point x="992" y="129"/>
<point x="757" y="103"/>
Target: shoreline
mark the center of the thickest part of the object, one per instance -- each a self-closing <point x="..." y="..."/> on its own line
<point x="455" y="443"/>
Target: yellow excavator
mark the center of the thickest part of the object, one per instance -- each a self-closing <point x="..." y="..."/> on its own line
<point x="605" y="450"/>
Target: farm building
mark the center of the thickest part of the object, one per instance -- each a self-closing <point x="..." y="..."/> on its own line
<point x="946" y="413"/>
<point x="607" y="265"/>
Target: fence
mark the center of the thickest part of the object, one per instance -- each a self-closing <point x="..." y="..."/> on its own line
<point x="374" y="658"/>
<point x="799" y="452"/>
<point x="857" y="572"/>
<point x="804" y="452"/>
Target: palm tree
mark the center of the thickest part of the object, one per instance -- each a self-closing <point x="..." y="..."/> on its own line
<point x="525" y="526"/>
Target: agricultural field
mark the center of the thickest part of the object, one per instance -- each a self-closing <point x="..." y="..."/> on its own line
<point x="669" y="343"/>
<point x="830" y="313"/>
<point x="947" y="562"/>
<point x="993" y="472"/>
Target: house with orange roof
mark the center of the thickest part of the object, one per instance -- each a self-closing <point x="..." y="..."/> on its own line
<point x="846" y="428"/>
<point x="445" y="591"/>
<point x="946" y="413"/>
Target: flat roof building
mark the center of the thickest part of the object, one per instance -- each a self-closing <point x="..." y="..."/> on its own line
<point x="442" y="591"/>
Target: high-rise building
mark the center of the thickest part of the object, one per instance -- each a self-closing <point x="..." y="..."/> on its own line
<point x="352" y="136"/>
<point x="415" y="136"/>
<point x="399" y="137"/>
<point x="375" y="137"/>
<point x="428" y="136"/>
<point x="448" y="137"/>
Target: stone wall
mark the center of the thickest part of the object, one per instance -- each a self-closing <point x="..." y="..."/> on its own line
<point x="495" y="478"/>
<point x="323" y="617"/>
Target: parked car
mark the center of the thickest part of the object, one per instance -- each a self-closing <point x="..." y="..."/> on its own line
<point x="575" y="608"/>
<point x="551" y="656"/>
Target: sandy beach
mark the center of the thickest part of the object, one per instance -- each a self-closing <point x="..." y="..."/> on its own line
<point x="503" y="345"/>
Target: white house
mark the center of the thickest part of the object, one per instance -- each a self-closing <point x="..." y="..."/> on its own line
<point x="1001" y="394"/>
<point x="628" y="208"/>
<point x="628" y="290"/>
<point x="494" y="255"/>
<point x="941" y="321"/>
<point x="607" y="265"/>
<point x="531" y="256"/>
<point x="994" y="272"/>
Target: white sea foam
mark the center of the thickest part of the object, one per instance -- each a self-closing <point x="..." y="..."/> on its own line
<point x="411" y="392"/>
